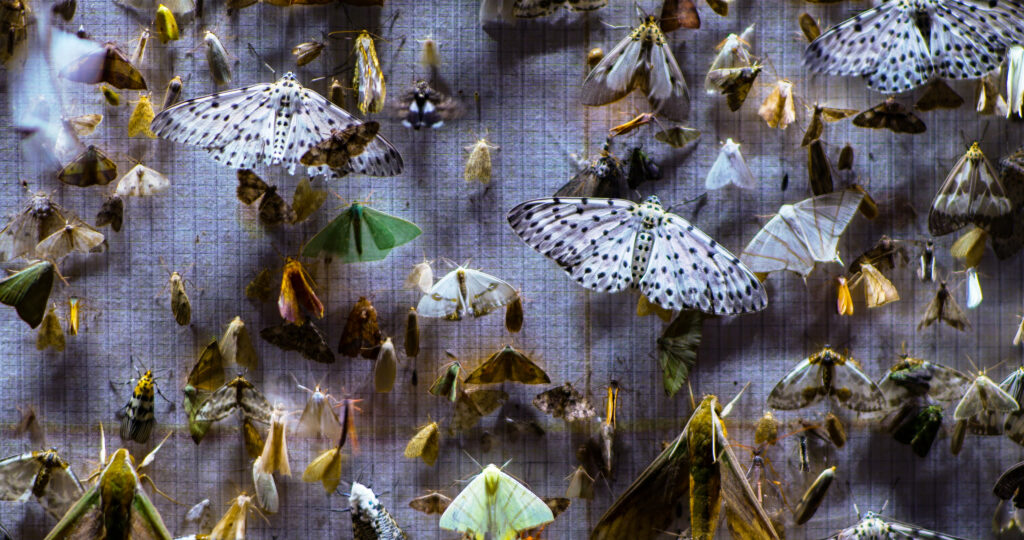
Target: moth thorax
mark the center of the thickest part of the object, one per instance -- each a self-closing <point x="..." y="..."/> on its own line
<point x="40" y="206"/>
<point x="491" y="481"/>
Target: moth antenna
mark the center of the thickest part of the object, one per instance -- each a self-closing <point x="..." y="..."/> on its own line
<point x="252" y="50"/>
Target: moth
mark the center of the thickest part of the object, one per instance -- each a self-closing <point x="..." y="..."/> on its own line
<point x="236" y="346"/>
<point x="495" y="505"/>
<point x="970" y="247"/>
<point x="115" y="504"/>
<point x="370" y="519"/>
<point x="261" y="287"/>
<point x="106" y="64"/>
<point x="385" y="369"/>
<point x="514" y="315"/>
<point x="239" y="394"/>
<point x="251" y="439"/>
<point x="1015" y="80"/>
<point x="142" y="115"/>
<point x="141" y="181"/>
<point x="944" y="307"/>
<point x="40" y="218"/>
<point x="50" y="332"/>
<point x="528" y="9"/>
<point x="913" y="377"/>
<point x="430" y="56"/>
<point x="112" y="98"/>
<point x="609" y="244"/>
<point x="606" y="432"/>
<point x="918" y="427"/>
<point x="343" y="145"/>
<point x="75" y="235"/>
<point x="306" y="339"/>
<point x="298" y="298"/>
<point x="28" y="291"/>
<point x="412" y="334"/>
<point x="921" y="45"/>
<point x="984" y="396"/>
<point x="926" y="270"/>
<point x="273" y="210"/>
<point x="676" y="14"/>
<point x="827" y="373"/>
<point x="181" y="307"/>
<point x="974" y="295"/>
<point x="730" y="168"/>
<point x="508" y="364"/>
<point x="216" y="59"/>
<point x="267" y="498"/>
<point x="420" y="277"/>
<point x="678" y="137"/>
<point x="85" y="124"/>
<point x="326" y="469"/>
<point x="172" y="93"/>
<point x="431" y="503"/>
<point x="844" y="301"/>
<point x="30" y="424"/>
<point x="14" y="28"/>
<point x="318" y="417"/>
<point x="361" y="234"/>
<point x="424" y="107"/>
<point x="238" y="142"/>
<point x="206" y="376"/>
<point x="872" y="525"/>
<point x="478" y="164"/>
<point x="368" y="79"/>
<point x="465" y="291"/>
<point x="137" y="416"/>
<point x="813" y="497"/>
<point x="809" y="27"/>
<point x="1007" y="486"/>
<point x="700" y="457"/>
<point x="779" y="109"/>
<point x="641" y="60"/>
<point x="581" y="485"/>
<point x="878" y="290"/>
<point x="474" y="404"/>
<point x="602" y="177"/>
<point x="308" y="51"/>
<point x="734" y="69"/>
<point x="972" y="193"/>
<point x="989" y="100"/>
<point x="44" y="475"/>
<point x="892" y="116"/>
<point x="819" y="116"/>
<point x="361" y="333"/>
<point x="845" y="158"/>
<point x="306" y="200"/>
<point x="425" y="444"/>
<point x="274" y="458"/>
<point x="677" y="349"/>
<point x="336" y="93"/>
<point x="90" y="168"/>
<point x="641" y="168"/>
<point x="819" y="169"/>
<point x="886" y="254"/>
<point x="232" y="525"/>
<point x="447" y="383"/>
<point x="938" y="95"/>
<point x="564" y="402"/>
<point x="801" y="234"/>
<point x="140" y="48"/>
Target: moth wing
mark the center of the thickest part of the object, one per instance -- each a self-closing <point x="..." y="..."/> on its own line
<point x="146" y="523"/>
<point x="335" y="238"/>
<point x="777" y="247"/>
<point x="266" y="489"/>
<point x="320" y="116"/>
<point x="946" y="383"/>
<point x="485" y="293"/>
<point x="469" y="510"/>
<point x="219" y="405"/>
<point x="62" y="491"/>
<point x="915" y="532"/>
<point x="951" y="313"/>
<point x="389" y="231"/>
<point x="677" y="349"/>
<point x="821" y="221"/>
<point x="254" y="405"/>
<point x="799" y="388"/>
<point x="878" y="290"/>
<point x="208" y="373"/>
<point x="250" y="186"/>
<point x="745" y="516"/>
<point x="973" y="36"/>
<point x="864" y="394"/>
<point x="17" y="473"/>
<point x="472" y="405"/>
<point x="83" y="520"/>
<point x="648" y="505"/>
<point x="520" y="509"/>
<point x="721" y="173"/>
<point x="28" y="291"/>
<point x="615" y="75"/>
<point x="665" y="86"/>
<point x="443" y="300"/>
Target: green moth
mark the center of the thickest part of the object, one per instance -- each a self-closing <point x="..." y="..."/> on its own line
<point x="361" y="234"/>
<point x="115" y="505"/>
<point x="496" y="505"/>
<point x="677" y="349"/>
<point x="28" y="290"/>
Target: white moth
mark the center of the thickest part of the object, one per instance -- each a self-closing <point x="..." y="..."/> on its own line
<point x="76" y="235"/>
<point x="730" y="168"/>
<point x="465" y="291"/>
<point x="141" y="181"/>
<point x="370" y="519"/>
<point x="1019" y="336"/>
<point x="641" y="60"/>
<point x="1015" y="80"/>
<point x="902" y="44"/>
<point x="972" y="193"/>
<point x="495" y="505"/>
<point x="803" y="233"/>
<point x="607" y="245"/>
<point x="270" y="123"/>
<point x="421" y="277"/>
<point x="973" y="288"/>
<point x="926" y="271"/>
<point x="984" y="396"/>
<point x="266" y="488"/>
<point x="873" y="527"/>
<point x="216" y="59"/>
<point x="733" y="53"/>
<point x="318" y="417"/>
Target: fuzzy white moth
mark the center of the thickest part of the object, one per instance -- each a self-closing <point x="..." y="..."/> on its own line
<point x="608" y="245"/>
<point x="901" y="44"/>
<point x="803" y="233"/>
<point x="973" y="288"/>
<point x="270" y="123"/>
<point x="141" y="181"/>
<point x="730" y="168"/>
<point x="216" y="59"/>
<point x="465" y="291"/>
<point x="421" y="277"/>
<point x="318" y="417"/>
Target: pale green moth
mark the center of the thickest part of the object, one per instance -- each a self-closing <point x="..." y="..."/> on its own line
<point x="361" y="234"/>
<point x="496" y="505"/>
<point x="28" y="290"/>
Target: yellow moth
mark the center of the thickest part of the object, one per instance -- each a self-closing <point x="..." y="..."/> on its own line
<point x="425" y="444"/>
<point x="478" y="165"/>
<point x="142" y="116"/>
<point x="369" y="79"/>
<point x="165" y="24"/>
<point x="844" y="302"/>
<point x="878" y="290"/>
<point x="326" y="469"/>
<point x="779" y="110"/>
<point x="232" y="525"/>
<point x="50" y="332"/>
<point x="275" y="449"/>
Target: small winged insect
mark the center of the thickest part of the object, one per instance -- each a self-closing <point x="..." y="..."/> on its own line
<point x="819" y="169"/>
<point x="809" y="27"/>
<point x="137" y="416"/>
<point x="564" y="402"/>
<point x="984" y="401"/>
<point x="41" y="474"/>
<point x="989" y="100"/>
<point x="140" y="47"/>
<point x="239" y="394"/>
<point x="370" y="519"/>
<point x="892" y="116"/>
<point x="76" y="235"/>
<point x="424" y="107"/>
<point x="676" y="14"/>
<point x="421" y="277"/>
<point x="165" y="25"/>
<point x="474" y="404"/>
<point x="216" y="59"/>
<point x="844" y="301"/>
<point x="40" y="218"/>
<point x="581" y="485"/>
<point x="28" y="291"/>
<point x="944" y="307"/>
<point x="886" y="254"/>
<point x="274" y="457"/>
<point x="141" y="181"/>
<point x="361" y="234"/>
<point x="181" y="307"/>
<point x="528" y="9"/>
<point x="938" y="95"/>
<point x="1008" y="485"/>
<point x="142" y="116"/>
<point x="326" y="468"/>
<point x="641" y="60"/>
<point x="368" y="79"/>
<point x="917" y="426"/>
<point x="112" y="98"/>
<point x="678" y="137"/>
<point x="514" y="315"/>
<point x="779" y="109"/>
<point x="342" y="146"/>
<point x="496" y="505"/>
<point x="730" y="169"/>
<point x="813" y="497"/>
<point x="431" y="503"/>
<point x="298" y="298"/>
<point x="291" y="120"/>
<point x="236" y="346"/>
<point x="606" y="433"/>
<point x="641" y="169"/>
<point x="878" y="290"/>
<point x="819" y="116"/>
<point x="90" y="168"/>
<point x="430" y="56"/>
<point x="306" y="339"/>
<point x="85" y="124"/>
<point x="318" y="418"/>
<point x="734" y="69"/>
<point x="602" y="177"/>
<point x="1015" y="80"/>
<point x="920" y="46"/>
<point x="362" y="333"/>
<point x="648" y="505"/>
<point x="478" y="163"/>
<point x="13" y="27"/>
<point x="306" y="200"/>
<point x="425" y="444"/>
<point x="206" y="376"/>
<point x="677" y="349"/>
<point x="232" y="525"/>
<point x="508" y="364"/>
<point x="385" y="369"/>
<point x="273" y="210"/>
<point x="447" y="383"/>
<point x="412" y="334"/>
<point x="802" y="234"/>
<point x="465" y="291"/>
<point x="172" y="93"/>
<point x="106" y="64"/>
<point x="970" y="248"/>
<point x="637" y="248"/>
<point x="926" y="270"/>
<point x="827" y="374"/>
<point x="913" y="377"/>
<point x="972" y="193"/>
<point x="308" y="51"/>
<point x="267" y="498"/>
<point x="873" y="526"/>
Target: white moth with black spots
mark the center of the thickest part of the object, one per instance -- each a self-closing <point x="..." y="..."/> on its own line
<point x="902" y="44"/>
<point x="270" y="123"/>
<point x="873" y="527"/>
<point x="607" y="245"/>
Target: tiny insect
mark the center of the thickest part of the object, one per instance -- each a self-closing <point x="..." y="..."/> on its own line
<point x="422" y="106"/>
<point x="385" y="369"/>
<point x="565" y="402"/>
<point x="813" y="497"/>
<point x="938" y="95"/>
<point x="110" y="96"/>
<point x="361" y="333"/>
<point x="447" y="383"/>
<point x="1015" y="80"/>
<point x="823" y="374"/>
<point x="425" y="444"/>
<point x="508" y="364"/>
<point x="944" y="307"/>
<point x="137" y="416"/>
<point x="172" y="93"/>
<point x="274" y="458"/>
<point x="90" y="168"/>
<point x="141" y="181"/>
<point x="431" y="503"/>
<point x="28" y="291"/>
<point x="496" y="505"/>
<point x="478" y="164"/>
<point x="819" y="169"/>
<point x="273" y="209"/>
<point x="368" y="79"/>
<point x="779" y="109"/>
<point x="429" y="55"/>
<point x="926" y="270"/>
<point x="216" y="59"/>
<point x="412" y="334"/>
<point x="236" y="345"/>
<point x="140" y="47"/>
<point x="890" y="115"/>
<point x="730" y="169"/>
<point x="844" y="301"/>
<point x="181" y="307"/>
<point x="971" y="193"/>
<point x="298" y="297"/>
<point x="307" y="51"/>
